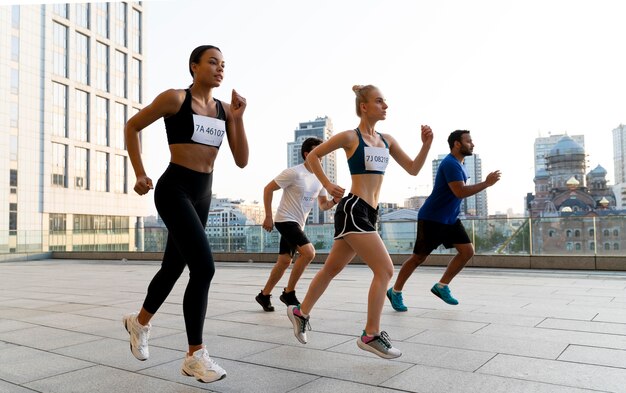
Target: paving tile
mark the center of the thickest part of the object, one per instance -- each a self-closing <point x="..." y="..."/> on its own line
<point x="365" y="369"/>
<point x="101" y="379"/>
<point x="22" y="364"/>
<point x="557" y="372"/>
<point x="7" y="325"/>
<point x="513" y="346"/>
<point x="45" y="338"/>
<point x="327" y="385"/>
<point x="425" y="379"/>
<point x="7" y="387"/>
<point x="484" y="317"/>
<point x="240" y="377"/>
<point x="584" y="326"/>
<point x="594" y="355"/>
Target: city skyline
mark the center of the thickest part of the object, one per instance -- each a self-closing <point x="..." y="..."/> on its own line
<point x="507" y="71"/>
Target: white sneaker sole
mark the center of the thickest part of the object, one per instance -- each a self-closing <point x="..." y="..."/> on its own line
<point x="202" y="379"/>
<point x="373" y="350"/>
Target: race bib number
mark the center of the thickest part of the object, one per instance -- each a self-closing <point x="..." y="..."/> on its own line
<point x="376" y="158"/>
<point x="208" y="130"/>
<point x="308" y="199"/>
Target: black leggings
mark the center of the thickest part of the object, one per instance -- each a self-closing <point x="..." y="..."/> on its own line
<point x="183" y="198"/>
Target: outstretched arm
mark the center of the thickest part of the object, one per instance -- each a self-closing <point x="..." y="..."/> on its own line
<point x="412" y="166"/>
<point x="462" y="190"/>
<point x="337" y="141"/>
<point x="236" y="134"/>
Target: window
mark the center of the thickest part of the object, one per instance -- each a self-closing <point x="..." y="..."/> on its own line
<point x="81" y="69"/>
<point x="13" y="219"/>
<point x="616" y="232"/>
<point x="102" y="66"/>
<point x="15" y="16"/>
<point x="119" y="74"/>
<point x="551" y="233"/>
<point x="59" y="49"/>
<point x="13" y="114"/>
<point x="592" y="246"/>
<point x="59" y="165"/>
<point x="15" y="81"/>
<point x="13" y="147"/>
<point x="591" y="232"/>
<point x="119" y="23"/>
<point x="606" y="232"/>
<point x="119" y="175"/>
<point x="118" y="120"/>
<point x="577" y="246"/>
<point x="607" y="246"/>
<point x="136" y="31"/>
<point x="101" y="126"/>
<point x="101" y="11"/>
<point x="81" y="160"/>
<point x="60" y="10"/>
<point x="57" y="223"/>
<point x="13" y="177"/>
<point x="135" y="80"/>
<point x="82" y="14"/>
<point x="568" y="233"/>
<point x="577" y="233"/>
<point x="615" y="246"/>
<point x="59" y="109"/>
<point x="15" y="48"/>
<point x="569" y="246"/>
<point x="101" y="179"/>
<point x="81" y="115"/>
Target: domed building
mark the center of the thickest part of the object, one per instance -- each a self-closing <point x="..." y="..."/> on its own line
<point x="567" y="201"/>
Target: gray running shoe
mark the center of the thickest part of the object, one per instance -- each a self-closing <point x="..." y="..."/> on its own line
<point x="300" y="323"/>
<point x="378" y="345"/>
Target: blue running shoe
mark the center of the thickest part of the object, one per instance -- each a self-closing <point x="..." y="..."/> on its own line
<point x="443" y="292"/>
<point x="396" y="300"/>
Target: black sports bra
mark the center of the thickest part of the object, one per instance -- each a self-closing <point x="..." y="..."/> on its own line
<point x="188" y="127"/>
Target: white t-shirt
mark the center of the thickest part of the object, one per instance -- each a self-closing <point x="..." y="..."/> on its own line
<point x="300" y="191"/>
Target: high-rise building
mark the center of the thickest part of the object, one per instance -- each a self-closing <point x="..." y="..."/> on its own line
<point x="321" y="128"/>
<point x="475" y="205"/>
<point x="72" y="76"/>
<point x="619" y="163"/>
<point x="543" y="145"/>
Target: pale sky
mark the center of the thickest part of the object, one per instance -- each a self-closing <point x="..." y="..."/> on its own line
<point x="508" y="71"/>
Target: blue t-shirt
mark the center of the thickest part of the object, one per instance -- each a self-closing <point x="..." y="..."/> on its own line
<point x="442" y="205"/>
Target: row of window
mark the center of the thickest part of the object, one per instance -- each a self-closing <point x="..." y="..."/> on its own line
<point x="84" y="223"/>
<point x="110" y="19"/>
<point x="104" y="177"/>
<point x="577" y="233"/>
<point x="110" y="76"/>
<point x="105" y="127"/>
<point x="592" y="246"/>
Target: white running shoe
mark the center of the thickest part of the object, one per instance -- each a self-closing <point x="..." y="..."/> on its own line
<point x="139" y="335"/>
<point x="202" y="367"/>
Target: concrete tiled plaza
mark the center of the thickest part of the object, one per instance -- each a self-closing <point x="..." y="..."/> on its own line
<point x="514" y="331"/>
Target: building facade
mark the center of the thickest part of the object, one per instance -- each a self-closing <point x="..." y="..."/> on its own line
<point x="543" y="145"/>
<point x="71" y="77"/>
<point x="322" y="128"/>
<point x="619" y="163"/>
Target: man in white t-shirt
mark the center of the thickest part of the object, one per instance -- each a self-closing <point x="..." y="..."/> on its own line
<point x="301" y="189"/>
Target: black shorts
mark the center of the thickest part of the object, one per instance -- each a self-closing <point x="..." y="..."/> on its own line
<point x="430" y="234"/>
<point x="354" y="215"/>
<point x="291" y="237"/>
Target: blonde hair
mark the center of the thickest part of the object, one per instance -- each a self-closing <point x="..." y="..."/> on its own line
<point x="362" y="92"/>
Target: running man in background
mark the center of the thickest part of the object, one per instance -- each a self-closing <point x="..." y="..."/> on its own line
<point x="438" y="220"/>
<point x="301" y="189"/>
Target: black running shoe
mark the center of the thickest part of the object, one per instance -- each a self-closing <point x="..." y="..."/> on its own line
<point x="264" y="301"/>
<point x="289" y="298"/>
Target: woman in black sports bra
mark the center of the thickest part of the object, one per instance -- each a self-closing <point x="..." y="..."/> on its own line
<point x="196" y="123"/>
<point x="368" y="154"/>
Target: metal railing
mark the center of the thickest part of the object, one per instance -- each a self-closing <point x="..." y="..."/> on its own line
<point x="591" y="236"/>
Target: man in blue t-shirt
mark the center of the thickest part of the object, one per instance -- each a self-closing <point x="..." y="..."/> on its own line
<point x="438" y="222"/>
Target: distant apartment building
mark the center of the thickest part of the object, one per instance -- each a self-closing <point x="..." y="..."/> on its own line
<point x="619" y="163"/>
<point x="475" y="205"/>
<point x="321" y="128"/>
<point x="543" y="145"/>
<point x="72" y="76"/>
